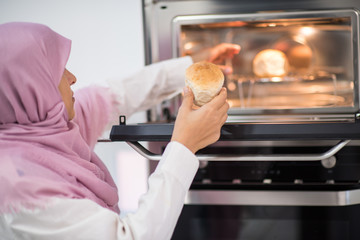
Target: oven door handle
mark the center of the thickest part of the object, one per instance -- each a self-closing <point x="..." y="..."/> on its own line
<point x="232" y="157"/>
<point x="273" y="198"/>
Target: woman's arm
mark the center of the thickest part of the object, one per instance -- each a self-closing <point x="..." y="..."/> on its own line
<point x="150" y="86"/>
<point x="163" y="80"/>
<point x="158" y="209"/>
<point x="140" y="91"/>
<point x="98" y="108"/>
<point x="155" y="218"/>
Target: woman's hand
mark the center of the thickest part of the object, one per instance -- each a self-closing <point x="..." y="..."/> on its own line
<point x="197" y="128"/>
<point x="217" y="55"/>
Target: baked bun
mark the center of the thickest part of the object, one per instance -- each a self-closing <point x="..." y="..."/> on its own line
<point x="205" y="80"/>
<point x="270" y="63"/>
<point x="300" y="56"/>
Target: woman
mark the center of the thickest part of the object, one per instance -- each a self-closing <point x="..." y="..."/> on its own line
<point x="52" y="184"/>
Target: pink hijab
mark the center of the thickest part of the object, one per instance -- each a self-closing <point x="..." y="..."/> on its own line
<point x="42" y="154"/>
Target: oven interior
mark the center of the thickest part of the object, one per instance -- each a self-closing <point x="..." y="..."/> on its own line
<point x="307" y="108"/>
<point x="289" y="64"/>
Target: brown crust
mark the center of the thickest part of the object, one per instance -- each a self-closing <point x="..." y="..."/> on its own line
<point x="204" y="74"/>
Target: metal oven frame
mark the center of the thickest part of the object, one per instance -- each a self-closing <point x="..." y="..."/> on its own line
<point x="338" y="136"/>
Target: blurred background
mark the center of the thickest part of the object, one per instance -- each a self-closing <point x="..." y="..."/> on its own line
<point x="107" y="42"/>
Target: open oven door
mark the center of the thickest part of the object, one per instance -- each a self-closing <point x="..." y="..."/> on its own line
<point x="256" y="193"/>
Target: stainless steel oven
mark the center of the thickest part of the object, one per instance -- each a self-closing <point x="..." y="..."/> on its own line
<point x="287" y="165"/>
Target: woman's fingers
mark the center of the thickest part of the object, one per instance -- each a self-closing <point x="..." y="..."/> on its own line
<point x="223" y="51"/>
<point x="188" y="98"/>
<point x="226" y="69"/>
<point x="218" y="100"/>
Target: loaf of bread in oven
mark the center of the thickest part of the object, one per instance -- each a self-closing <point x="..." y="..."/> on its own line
<point x="300" y="57"/>
<point x="270" y="63"/>
<point x="205" y="80"/>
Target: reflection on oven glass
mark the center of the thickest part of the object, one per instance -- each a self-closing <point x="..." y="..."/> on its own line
<point x="302" y="63"/>
<point x="306" y="91"/>
<point x="218" y="222"/>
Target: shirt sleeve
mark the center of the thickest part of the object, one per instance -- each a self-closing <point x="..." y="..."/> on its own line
<point x="148" y="87"/>
<point x="155" y="218"/>
<point x="94" y="110"/>
<point x="98" y="108"/>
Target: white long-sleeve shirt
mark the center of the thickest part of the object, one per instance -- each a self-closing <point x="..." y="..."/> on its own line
<point x="158" y="209"/>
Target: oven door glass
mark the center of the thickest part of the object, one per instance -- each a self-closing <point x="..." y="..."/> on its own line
<point x="214" y="222"/>
<point x="301" y="65"/>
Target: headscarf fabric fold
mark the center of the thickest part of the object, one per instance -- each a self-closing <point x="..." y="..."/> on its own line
<point x="42" y="153"/>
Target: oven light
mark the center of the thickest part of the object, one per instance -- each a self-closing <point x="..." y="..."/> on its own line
<point x="272" y="25"/>
<point x="307" y="31"/>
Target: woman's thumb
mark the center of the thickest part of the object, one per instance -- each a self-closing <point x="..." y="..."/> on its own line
<point x="188" y="97"/>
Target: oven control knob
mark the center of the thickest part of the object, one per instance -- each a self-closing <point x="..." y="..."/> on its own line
<point x="203" y="164"/>
<point x="298" y="181"/>
<point x="329" y="162"/>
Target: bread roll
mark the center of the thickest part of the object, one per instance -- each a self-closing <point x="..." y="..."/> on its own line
<point x="270" y="63"/>
<point x="300" y="56"/>
<point x="205" y="80"/>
